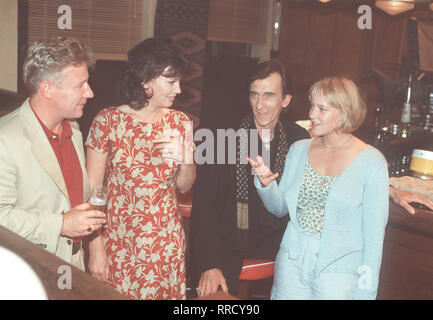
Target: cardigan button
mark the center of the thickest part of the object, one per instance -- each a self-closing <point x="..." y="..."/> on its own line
<point x="69" y="242"/>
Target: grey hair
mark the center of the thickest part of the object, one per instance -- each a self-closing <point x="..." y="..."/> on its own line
<point x="46" y="59"/>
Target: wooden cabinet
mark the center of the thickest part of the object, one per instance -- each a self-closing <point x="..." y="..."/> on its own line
<point x="46" y="266"/>
<point x="407" y="262"/>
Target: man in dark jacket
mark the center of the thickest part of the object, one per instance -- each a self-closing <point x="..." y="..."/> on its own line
<point x="228" y="221"/>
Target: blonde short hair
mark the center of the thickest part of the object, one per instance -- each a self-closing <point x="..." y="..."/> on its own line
<point x="344" y="95"/>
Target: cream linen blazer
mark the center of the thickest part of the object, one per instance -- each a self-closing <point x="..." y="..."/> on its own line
<point x="33" y="193"/>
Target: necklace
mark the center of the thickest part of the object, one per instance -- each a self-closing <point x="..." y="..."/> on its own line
<point x="337" y="147"/>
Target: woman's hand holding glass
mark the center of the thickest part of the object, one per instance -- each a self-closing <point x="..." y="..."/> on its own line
<point x="264" y="175"/>
<point x="174" y="149"/>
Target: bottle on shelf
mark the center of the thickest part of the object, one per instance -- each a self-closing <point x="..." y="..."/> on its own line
<point x="404" y="168"/>
<point x="427" y="123"/>
<point x="378" y="118"/>
<point x="405" y="115"/>
<point x="430" y="104"/>
<point x="395" y="129"/>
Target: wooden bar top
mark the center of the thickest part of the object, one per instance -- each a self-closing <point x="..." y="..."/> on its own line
<point x="46" y="267"/>
<point x="406" y="267"/>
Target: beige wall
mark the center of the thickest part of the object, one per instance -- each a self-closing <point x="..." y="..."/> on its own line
<point x="149" y="10"/>
<point x="9" y="45"/>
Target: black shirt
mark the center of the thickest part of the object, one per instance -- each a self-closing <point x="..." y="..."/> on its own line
<point x="213" y="223"/>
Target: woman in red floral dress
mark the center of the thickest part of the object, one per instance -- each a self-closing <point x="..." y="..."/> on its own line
<point x="144" y="150"/>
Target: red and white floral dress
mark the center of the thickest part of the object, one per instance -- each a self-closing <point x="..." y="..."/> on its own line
<point x="144" y="238"/>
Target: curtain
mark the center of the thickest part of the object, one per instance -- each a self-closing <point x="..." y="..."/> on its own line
<point x="110" y="27"/>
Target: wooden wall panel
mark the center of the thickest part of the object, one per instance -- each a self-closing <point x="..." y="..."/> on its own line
<point x="348" y="46"/>
<point x="321" y="46"/>
<point x="389" y="37"/>
<point x="317" y="42"/>
<point x="238" y="21"/>
<point x="295" y="29"/>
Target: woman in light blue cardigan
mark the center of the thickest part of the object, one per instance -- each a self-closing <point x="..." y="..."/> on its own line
<point x="335" y="188"/>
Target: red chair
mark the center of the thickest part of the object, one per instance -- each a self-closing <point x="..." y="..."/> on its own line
<point x="184" y="203"/>
<point x="185" y="209"/>
<point x="253" y="269"/>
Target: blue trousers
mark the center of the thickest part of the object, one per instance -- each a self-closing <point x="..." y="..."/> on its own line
<point x="295" y="279"/>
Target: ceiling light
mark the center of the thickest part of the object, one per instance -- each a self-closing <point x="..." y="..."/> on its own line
<point x="394" y="7"/>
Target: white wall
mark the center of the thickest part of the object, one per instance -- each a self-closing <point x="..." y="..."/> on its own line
<point x="9" y="45"/>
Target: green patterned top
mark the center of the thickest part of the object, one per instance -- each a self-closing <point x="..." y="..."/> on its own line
<point x="312" y="200"/>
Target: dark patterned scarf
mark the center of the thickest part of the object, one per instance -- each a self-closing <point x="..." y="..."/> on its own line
<point x="243" y="170"/>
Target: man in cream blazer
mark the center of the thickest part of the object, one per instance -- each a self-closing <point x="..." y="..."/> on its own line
<point x="35" y="197"/>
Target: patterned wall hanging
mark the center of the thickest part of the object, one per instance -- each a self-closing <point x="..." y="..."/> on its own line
<point x="185" y="22"/>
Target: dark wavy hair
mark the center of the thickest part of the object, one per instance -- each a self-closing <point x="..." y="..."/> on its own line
<point x="265" y="69"/>
<point x="146" y="61"/>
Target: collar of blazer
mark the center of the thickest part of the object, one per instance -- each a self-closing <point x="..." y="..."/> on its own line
<point x="41" y="147"/>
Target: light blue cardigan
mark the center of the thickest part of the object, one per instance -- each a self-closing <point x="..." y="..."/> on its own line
<point x="355" y="217"/>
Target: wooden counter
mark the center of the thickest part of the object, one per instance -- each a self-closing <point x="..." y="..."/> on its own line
<point x="406" y="273"/>
<point x="407" y="263"/>
<point x="46" y="266"/>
